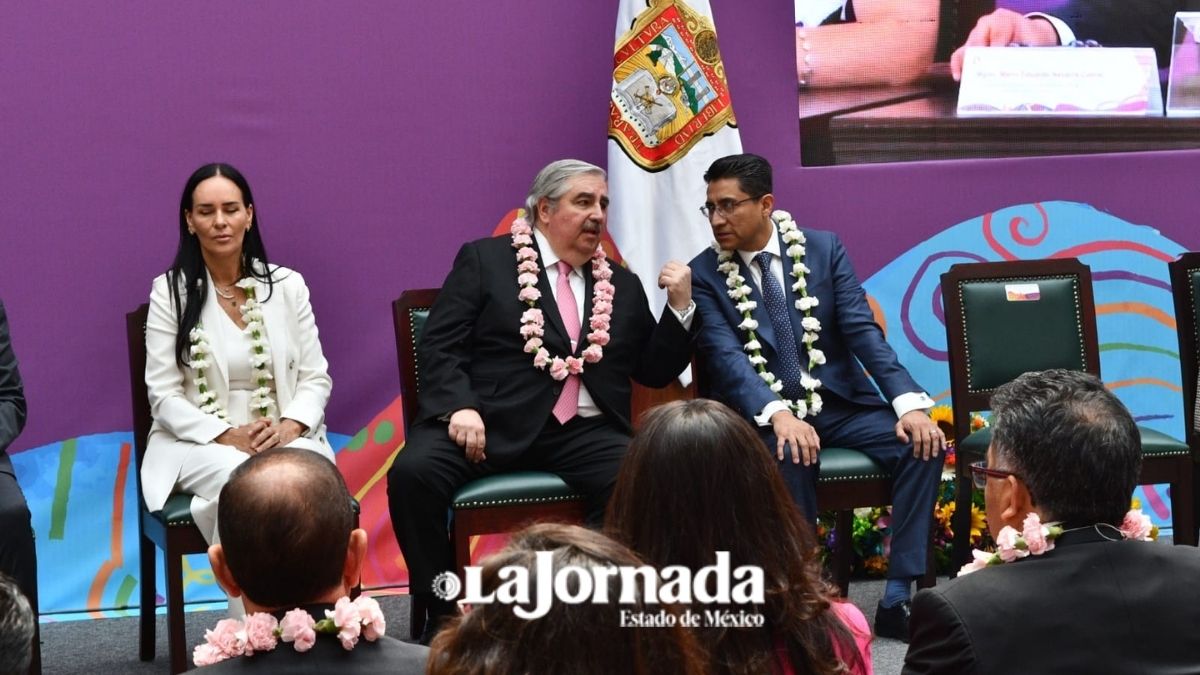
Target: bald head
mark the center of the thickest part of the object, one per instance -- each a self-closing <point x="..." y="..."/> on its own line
<point x="285" y="520"/>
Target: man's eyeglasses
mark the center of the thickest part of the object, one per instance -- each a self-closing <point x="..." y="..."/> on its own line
<point x="724" y="207"/>
<point x="980" y="473"/>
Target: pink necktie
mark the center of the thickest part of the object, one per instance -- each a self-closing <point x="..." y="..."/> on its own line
<point x="568" y="400"/>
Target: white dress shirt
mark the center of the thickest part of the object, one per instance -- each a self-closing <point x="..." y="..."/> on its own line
<point x="587" y="405"/>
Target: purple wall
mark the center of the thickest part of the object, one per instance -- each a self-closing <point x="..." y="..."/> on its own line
<point x="377" y="137"/>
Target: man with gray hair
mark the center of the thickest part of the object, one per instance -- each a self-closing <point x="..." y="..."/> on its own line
<point x="1074" y="587"/>
<point x="16" y="628"/>
<point x="526" y="361"/>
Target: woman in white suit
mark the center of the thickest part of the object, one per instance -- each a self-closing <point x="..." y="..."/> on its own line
<point x="233" y="362"/>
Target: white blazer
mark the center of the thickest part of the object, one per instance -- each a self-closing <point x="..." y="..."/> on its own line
<point x="302" y="382"/>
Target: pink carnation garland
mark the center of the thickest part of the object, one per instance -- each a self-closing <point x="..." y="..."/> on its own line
<point x="1035" y="538"/>
<point x="261" y="632"/>
<point x="533" y="321"/>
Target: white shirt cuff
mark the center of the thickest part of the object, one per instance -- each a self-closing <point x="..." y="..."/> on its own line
<point x="763" y="419"/>
<point x="1065" y="35"/>
<point x="913" y="400"/>
<point x="685" y="317"/>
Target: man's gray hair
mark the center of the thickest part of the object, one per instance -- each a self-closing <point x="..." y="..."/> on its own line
<point x="551" y="182"/>
<point x="16" y="628"/>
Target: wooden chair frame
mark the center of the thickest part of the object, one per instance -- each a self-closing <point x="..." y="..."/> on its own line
<point x="1186" y="325"/>
<point x="466" y="523"/>
<point x="176" y="541"/>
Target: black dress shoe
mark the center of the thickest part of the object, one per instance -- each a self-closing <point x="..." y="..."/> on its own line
<point x="892" y="622"/>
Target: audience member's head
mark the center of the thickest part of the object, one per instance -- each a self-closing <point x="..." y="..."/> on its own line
<point x="1071" y="448"/>
<point x="287" y="533"/>
<point x="582" y="639"/>
<point x="698" y="480"/>
<point x="16" y="628"/>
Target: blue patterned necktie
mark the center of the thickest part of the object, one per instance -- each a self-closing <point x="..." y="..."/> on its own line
<point x="787" y="369"/>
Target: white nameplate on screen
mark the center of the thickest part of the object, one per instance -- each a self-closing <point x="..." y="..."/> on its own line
<point x="1060" y="81"/>
<point x="1183" y="92"/>
<point x="1022" y="292"/>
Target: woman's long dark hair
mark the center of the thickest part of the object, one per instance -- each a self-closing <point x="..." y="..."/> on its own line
<point x="187" y="271"/>
<point x="698" y="479"/>
<point x="582" y="639"/>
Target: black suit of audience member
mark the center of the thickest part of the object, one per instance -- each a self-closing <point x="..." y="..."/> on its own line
<point x="18" y="557"/>
<point x="1066" y="450"/>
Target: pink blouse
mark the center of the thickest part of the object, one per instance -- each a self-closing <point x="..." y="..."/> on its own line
<point x="853" y="618"/>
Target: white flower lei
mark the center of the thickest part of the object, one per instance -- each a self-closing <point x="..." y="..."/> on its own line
<point x="739" y="291"/>
<point x="532" y="320"/>
<point x="261" y="399"/>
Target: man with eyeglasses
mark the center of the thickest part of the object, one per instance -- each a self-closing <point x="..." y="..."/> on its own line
<point x="785" y="334"/>
<point x="1087" y="595"/>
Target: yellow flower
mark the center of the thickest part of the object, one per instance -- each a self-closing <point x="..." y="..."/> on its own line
<point x="978" y="422"/>
<point x="1135" y="504"/>
<point x="944" y="513"/>
<point x="875" y="564"/>
<point x="943" y="416"/>
<point x="978" y="522"/>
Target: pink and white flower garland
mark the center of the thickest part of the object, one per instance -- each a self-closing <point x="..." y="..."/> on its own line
<point x="533" y="321"/>
<point x="261" y="399"/>
<point x="260" y="632"/>
<point x="1035" y="538"/>
<point x="739" y="291"/>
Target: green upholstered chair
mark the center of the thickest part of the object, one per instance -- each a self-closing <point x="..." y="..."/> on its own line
<point x="170" y="529"/>
<point x="1185" y="284"/>
<point x="499" y="503"/>
<point x="1008" y="318"/>
<point x="848" y="479"/>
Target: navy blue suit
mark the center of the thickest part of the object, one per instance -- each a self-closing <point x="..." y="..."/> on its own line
<point x="1125" y="23"/>
<point x="854" y="415"/>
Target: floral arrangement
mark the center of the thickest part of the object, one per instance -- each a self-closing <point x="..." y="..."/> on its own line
<point x="348" y="620"/>
<point x="533" y="321"/>
<point x="739" y="292"/>
<point x="871" y="533"/>
<point x="871" y="527"/>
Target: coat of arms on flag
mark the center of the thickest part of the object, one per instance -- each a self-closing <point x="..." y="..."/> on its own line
<point x="669" y="87"/>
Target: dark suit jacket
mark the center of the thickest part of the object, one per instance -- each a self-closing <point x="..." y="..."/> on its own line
<point x="471" y="350"/>
<point x="385" y="655"/>
<point x="12" y="395"/>
<point x="1089" y="606"/>
<point x="848" y="333"/>
<point x="1126" y="23"/>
